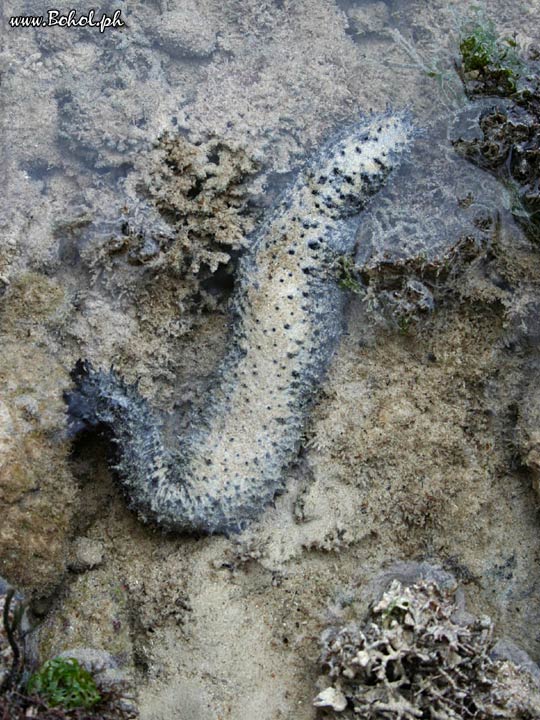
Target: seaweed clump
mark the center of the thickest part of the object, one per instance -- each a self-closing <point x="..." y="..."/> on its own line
<point x="490" y="64"/>
<point x="402" y="290"/>
<point x="418" y="655"/>
<point x="63" y="681"/>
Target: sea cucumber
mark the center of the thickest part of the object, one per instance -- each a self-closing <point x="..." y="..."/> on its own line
<point x="287" y="314"/>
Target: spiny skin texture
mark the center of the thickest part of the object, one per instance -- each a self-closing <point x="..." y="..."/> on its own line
<point x="288" y="317"/>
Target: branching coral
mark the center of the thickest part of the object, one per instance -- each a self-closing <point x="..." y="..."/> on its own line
<point x="414" y="657"/>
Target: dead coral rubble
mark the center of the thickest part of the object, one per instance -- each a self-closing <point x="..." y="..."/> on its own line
<point x="415" y="657"/>
<point x="192" y="214"/>
<point x="199" y="188"/>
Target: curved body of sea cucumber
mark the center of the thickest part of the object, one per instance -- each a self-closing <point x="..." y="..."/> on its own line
<point x="287" y="311"/>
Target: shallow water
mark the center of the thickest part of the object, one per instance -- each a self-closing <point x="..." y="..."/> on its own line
<point x="406" y="456"/>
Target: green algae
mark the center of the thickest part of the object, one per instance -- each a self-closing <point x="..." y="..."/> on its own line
<point x="64" y="682"/>
<point x="489" y="59"/>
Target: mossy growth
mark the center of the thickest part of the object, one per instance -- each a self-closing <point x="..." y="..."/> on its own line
<point x="63" y="682"/>
<point x="490" y="62"/>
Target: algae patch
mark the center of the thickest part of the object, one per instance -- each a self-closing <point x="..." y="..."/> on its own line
<point x="63" y="682"/>
<point x="490" y="62"/>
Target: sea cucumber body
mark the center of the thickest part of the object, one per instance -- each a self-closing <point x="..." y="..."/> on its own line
<point x="287" y="318"/>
